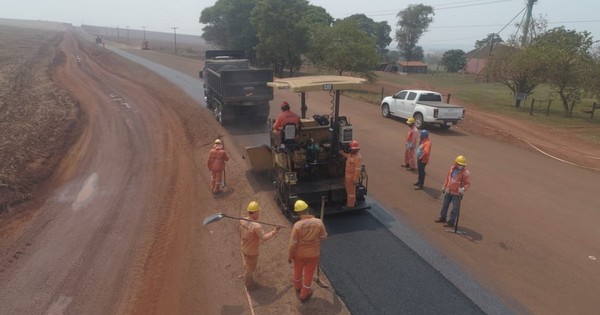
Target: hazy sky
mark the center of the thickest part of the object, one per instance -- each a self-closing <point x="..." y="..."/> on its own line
<point x="457" y="24"/>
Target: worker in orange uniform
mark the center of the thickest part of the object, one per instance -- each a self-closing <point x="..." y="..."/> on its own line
<point x="305" y="248"/>
<point x="352" y="173"/>
<point x="251" y="234"/>
<point x="457" y="182"/>
<point x="410" y="147"/>
<point x="216" y="164"/>
<point x="285" y="117"/>
<point x="422" y="158"/>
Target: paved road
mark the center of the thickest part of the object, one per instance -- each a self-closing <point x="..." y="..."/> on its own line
<point x="375" y="264"/>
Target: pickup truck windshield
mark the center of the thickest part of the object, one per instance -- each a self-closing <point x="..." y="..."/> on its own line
<point x="430" y="97"/>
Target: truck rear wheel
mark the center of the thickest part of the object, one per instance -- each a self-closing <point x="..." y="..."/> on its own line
<point x="419" y="123"/>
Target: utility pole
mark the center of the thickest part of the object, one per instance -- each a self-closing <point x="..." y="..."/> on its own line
<point x="527" y="22"/>
<point x="127" y="34"/>
<point x="118" y="35"/>
<point x="175" y="35"/>
<point x="144" y="28"/>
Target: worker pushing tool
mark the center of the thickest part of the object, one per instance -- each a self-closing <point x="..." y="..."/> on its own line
<point x="304" y="249"/>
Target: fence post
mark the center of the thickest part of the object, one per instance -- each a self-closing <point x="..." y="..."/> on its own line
<point x="448" y="98"/>
<point x="531" y="108"/>
<point x="548" y="108"/>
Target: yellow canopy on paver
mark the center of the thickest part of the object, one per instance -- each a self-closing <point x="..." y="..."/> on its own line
<point x="316" y="83"/>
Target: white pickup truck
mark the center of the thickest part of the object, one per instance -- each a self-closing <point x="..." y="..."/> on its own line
<point x="426" y="107"/>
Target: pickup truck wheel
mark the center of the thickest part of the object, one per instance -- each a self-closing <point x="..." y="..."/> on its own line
<point x="419" y="121"/>
<point x="444" y="127"/>
<point x="385" y="110"/>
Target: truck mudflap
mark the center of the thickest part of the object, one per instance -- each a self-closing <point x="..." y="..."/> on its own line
<point x="260" y="157"/>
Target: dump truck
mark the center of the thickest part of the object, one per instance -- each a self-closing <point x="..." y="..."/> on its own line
<point x="304" y="160"/>
<point x="234" y="89"/>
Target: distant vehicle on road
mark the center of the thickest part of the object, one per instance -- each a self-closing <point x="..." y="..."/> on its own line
<point x="426" y="107"/>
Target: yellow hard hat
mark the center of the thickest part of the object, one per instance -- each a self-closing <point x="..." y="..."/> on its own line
<point x="253" y="206"/>
<point x="218" y="141"/>
<point x="300" y="205"/>
<point x="461" y="160"/>
<point x="410" y="121"/>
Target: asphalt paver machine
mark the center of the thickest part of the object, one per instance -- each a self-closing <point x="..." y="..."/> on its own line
<point x="304" y="160"/>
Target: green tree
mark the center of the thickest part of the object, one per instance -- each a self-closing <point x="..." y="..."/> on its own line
<point x="392" y="56"/>
<point x="517" y="69"/>
<point x="343" y="47"/>
<point x="492" y="38"/>
<point x="379" y="31"/>
<point x="567" y="59"/>
<point x="454" y="60"/>
<point x="593" y="85"/>
<point x="413" y="22"/>
<point x="228" y="25"/>
<point x="283" y="29"/>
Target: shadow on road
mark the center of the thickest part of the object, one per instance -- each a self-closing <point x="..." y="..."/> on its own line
<point x="466" y="233"/>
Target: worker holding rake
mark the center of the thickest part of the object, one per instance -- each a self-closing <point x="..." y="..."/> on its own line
<point x="251" y="234"/>
<point x="304" y="249"/>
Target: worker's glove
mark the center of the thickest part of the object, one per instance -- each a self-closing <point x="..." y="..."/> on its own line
<point x="290" y="260"/>
<point x="461" y="190"/>
<point x="408" y="146"/>
<point x="444" y="191"/>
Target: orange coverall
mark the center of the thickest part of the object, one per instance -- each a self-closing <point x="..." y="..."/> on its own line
<point x="284" y="118"/>
<point x="351" y="176"/>
<point x="304" y="249"/>
<point x="251" y="233"/>
<point x="409" y="150"/>
<point x="216" y="164"/>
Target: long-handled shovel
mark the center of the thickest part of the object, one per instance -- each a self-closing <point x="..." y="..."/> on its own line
<point x="218" y="216"/>
<point x="223" y="180"/>
<point x="318" y="278"/>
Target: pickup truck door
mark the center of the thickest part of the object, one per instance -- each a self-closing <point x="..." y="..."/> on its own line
<point x="408" y="105"/>
<point x="397" y="101"/>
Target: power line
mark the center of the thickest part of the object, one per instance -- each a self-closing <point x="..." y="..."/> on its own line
<point x="446" y="6"/>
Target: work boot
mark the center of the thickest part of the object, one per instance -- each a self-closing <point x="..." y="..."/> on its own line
<point x="449" y="224"/>
<point x="440" y="220"/>
<point x="416" y="184"/>
<point x="418" y="187"/>
<point x="307" y="297"/>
